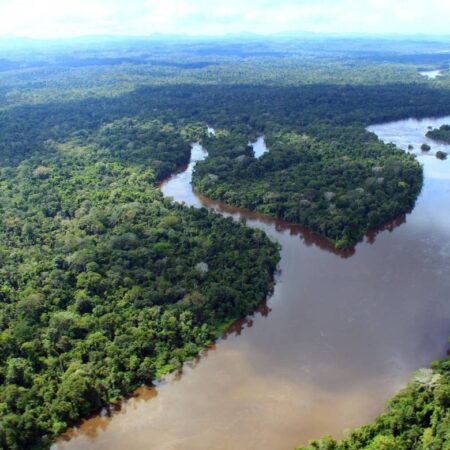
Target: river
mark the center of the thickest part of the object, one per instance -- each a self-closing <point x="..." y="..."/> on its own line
<point x="341" y="333"/>
<point x="431" y="74"/>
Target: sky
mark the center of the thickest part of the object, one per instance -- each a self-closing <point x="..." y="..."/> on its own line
<point x="74" y="18"/>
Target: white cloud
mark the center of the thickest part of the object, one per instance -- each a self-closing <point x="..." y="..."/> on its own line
<point x="66" y="18"/>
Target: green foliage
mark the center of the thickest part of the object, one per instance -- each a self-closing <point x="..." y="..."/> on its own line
<point x="441" y="134"/>
<point x="418" y="418"/>
<point x="339" y="188"/>
<point x="99" y="291"/>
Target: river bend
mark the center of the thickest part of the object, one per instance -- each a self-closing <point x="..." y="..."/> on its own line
<point x="341" y="333"/>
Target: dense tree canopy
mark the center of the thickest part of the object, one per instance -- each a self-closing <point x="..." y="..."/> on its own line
<point x="441" y="134"/>
<point x="418" y="418"/>
<point x="338" y="189"/>
<point x="104" y="284"/>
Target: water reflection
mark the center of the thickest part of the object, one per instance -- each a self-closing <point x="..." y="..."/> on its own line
<point x="309" y="238"/>
<point x="431" y="74"/>
<point x="337" y="337"/>
<point x="259" y="146"/>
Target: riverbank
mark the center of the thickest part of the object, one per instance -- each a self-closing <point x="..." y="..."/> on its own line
<point x="341" y="331"/>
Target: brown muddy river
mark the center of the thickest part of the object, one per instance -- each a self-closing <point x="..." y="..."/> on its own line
<point x="340" y="334"/>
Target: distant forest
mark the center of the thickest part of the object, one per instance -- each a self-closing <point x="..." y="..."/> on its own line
<point x="105" y="284"/>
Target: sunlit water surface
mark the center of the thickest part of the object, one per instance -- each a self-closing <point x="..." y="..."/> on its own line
<point x="340" y="334"/>
<point x="431" y="74"/>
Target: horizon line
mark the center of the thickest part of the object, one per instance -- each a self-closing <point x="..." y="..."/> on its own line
<point x="241" y="34"/>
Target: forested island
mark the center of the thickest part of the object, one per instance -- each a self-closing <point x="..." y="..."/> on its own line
<point x="106" y="284"/>
<point x="441" y="134"/>
<point x="337" y="189"/>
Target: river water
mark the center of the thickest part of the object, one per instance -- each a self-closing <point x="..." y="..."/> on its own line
<point x="431" y="74"/>
<point x="341" y="333"/>
<point x="259" y="146"/>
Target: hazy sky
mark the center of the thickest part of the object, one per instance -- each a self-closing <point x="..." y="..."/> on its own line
<point x="69" y="18"/>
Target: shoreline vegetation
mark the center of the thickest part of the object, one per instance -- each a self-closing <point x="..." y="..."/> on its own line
<point x="441" y="134"/>
<point x="104" y="283"/>
<point x="338" y="194"/>
<point x="417" y="418"/>
<point x="110" y="286"/>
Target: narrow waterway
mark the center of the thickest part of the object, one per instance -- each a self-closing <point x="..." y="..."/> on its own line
<point x="431" y="74"/>
<point x="340" y="334"/>
<point x="259" y="146"/>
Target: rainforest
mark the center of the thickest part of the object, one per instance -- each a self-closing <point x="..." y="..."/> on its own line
<point x="107" y="284"/>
